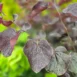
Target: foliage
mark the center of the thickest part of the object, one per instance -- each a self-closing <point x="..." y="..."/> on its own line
<point x="42" y="29"/>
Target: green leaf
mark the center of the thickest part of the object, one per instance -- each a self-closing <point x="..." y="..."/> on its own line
<point x="72" y="63"/>
<point x="58" y="62"/>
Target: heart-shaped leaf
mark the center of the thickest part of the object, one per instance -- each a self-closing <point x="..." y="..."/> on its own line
<point x="39" y="53"/>
<point x="58" y="62"/>
<point x="8" y="39"/>
<point x="57" y="66"/>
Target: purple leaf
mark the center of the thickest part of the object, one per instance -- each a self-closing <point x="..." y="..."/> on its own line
<point x="37" y="8"/>
<point x="7" y="41"/>
<point x="39" y="53"/>
<point x="25" y="27"/>
<point x="7" y="23"/>
<point x="71" y="9"/>
<point x="14" y="39"/>
<point x="1" y="5"/>
<point x="9" y="33"/>
<point x="1" y="20"/>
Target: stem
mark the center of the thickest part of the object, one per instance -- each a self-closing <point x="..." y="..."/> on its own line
<point x="64" y="26"/>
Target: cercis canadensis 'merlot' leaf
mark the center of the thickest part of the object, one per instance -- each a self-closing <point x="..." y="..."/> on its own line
<point x="1" y="5"/>
<point x="9" y="33"/>
<point x="39" y="53"/>
<point x="38" y="7"/>
<point x="5" y="23"/>
<point x="25" y="27"/>
<point x="60" y="49"/>
<point x="7" y="41"/>
<point x="72" y="63"/>
<point x="71" y="9"/>
<point x="58" y="61"/>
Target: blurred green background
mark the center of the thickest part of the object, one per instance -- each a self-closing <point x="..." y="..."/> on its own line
<point x="17" y="64"/>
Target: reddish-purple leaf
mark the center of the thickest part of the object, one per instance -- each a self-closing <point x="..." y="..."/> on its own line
<point x="7" y="41"/>
<point x="14" y="39"/>
<point x="1" y="5"/>
<point x="1" y="20"/>
<point x="39" y="53"/>
<point x="40" y="6"/>
<point x="9" y="33"/>
<point x="7" y="23"/>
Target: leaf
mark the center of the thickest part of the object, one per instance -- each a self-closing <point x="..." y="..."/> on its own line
<point x="9" y="33"/>
<point x="5" y="45"/>
<point x="40" y="6"/>
<point x="71" y="9"/>
<point x="7" y="50"/>
<point x="37" y="8"/>
<point x="56" y="66"/>
<point x="46" y="19"/>
<point x="72" y="63"/>
<point x="26" y="26"/>
<point x="7" y="41"/>
<point x="60" y="49"/>
<point x="74" y="32"/>
<point x="1" y="20"/>
<point x="58" y="62"/>
<point x="7" y="23"/>
<point x="39" y="53"/>
<point x="14" y="39"/>
<point x="1" y="5"/>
